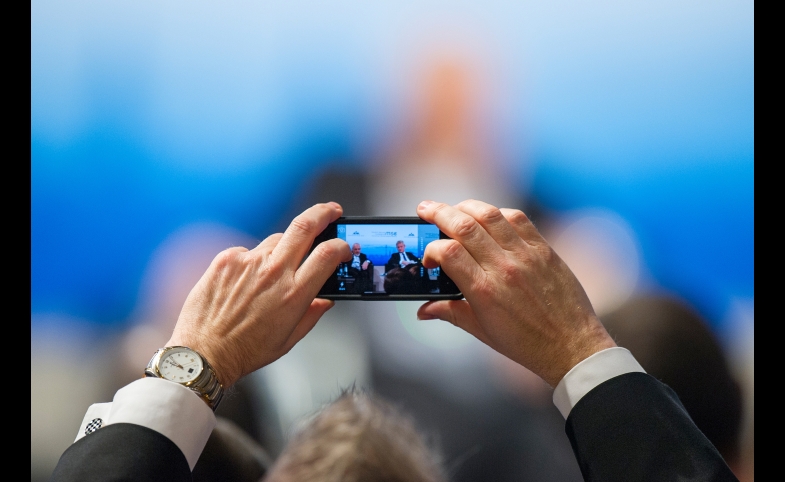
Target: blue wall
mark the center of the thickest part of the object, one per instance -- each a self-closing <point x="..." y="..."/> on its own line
<point x="147" y="117"/>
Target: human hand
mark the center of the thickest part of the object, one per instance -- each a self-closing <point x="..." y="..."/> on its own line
<point x="251" y="307"/>
<point x="521" y="299"/>
<point x="365" y="265"/>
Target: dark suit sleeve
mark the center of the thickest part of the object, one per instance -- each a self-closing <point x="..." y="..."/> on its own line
<point x="412" y="257"/>
<point x="124" y="452"/>
<point x="392" y="262"/>
<point x="633" y="427"/>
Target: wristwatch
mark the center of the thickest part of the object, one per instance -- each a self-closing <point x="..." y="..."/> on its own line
<point x="185" y="366"/>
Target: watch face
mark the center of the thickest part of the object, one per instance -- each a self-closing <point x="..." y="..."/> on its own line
<point x="180" y="365"/>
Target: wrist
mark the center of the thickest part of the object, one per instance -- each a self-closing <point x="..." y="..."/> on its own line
<point x="594" y="341"/>
<point x="225" y="374"/>
<point x="187" y="367"/>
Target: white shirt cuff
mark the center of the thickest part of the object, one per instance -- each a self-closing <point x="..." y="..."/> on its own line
<point x="96" y="416"/>
<point x="166" y="407"/>
<point x="594" y="370"/>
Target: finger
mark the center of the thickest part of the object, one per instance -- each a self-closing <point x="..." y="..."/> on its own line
<point x="456" y="262"/>
<point x="317" y="309"/>
<point x="493" y="221"/>
<point x="266" y="247"/>
<point x="299" y="236"/>
<point x="523" y="226"/>
<point x="320" y="265"/>
<point x="459" y="313"/>
<point x="461" y="227"/>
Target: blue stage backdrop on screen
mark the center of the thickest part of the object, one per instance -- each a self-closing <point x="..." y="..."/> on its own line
<point x="378" y="241"/>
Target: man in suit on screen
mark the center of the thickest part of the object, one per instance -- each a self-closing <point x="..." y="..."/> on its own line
<point x="401" y="259"/>
<point x="360" y="268"/>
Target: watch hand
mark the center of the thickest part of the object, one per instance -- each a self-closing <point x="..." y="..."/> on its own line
<point x="176" y="364"/>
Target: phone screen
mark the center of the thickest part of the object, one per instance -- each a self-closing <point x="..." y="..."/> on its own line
<point x="387" y="261"/>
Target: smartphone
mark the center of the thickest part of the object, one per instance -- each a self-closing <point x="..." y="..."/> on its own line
<point x="386" y="261"/>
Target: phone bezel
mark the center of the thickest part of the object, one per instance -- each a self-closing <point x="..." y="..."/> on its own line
<point x="447" y="288"/>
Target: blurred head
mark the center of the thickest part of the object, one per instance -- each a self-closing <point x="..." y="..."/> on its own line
<point x="675" y="345"/>
<point x="399" y="281"/>
<point x="449" y="94"/>
<point x="420" y="275"/>
<point x="357" y="438"/>
<point x="356" y="249"/>
<point x="400" y="246"/>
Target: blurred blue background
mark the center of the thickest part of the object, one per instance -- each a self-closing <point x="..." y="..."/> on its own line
<point x="147" y="117"/>
<point x="166" y="128"/>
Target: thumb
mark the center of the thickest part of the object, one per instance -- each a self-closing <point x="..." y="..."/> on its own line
<point x="459" y="313"/>
<point x="318" y="308"/>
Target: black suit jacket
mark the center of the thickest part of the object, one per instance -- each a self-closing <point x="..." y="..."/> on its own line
<point x="363" y="259"/>
<point x="633" y="427"/>
<point x="395" y="260"/>
<point x="630" y="428"/>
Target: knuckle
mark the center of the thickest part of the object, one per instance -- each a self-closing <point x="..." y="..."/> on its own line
<point x="452" y="250"/>
<point x="324" y="252"/>
<point x="490" y="214"/>
<point x="438" y="208"/>
<point x="303" y="224"/>
<point x="464" y="227"/>
<point x="516" y="216"/>
<point x="275" y="268"/>
<point x="226" y="258"/>
<point x="548" y="254"/>
<point x="509" y="273"/>
<point x="465" y="203"/>
<point x="273" y="239"/>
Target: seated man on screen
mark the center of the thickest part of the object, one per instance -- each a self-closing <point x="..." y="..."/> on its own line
<point x="360" y="268"/>
<point x="401" y="259"/>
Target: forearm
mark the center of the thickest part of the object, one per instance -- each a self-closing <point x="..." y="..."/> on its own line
<point x="633" y="427"/>
<point x="150" y="423"/>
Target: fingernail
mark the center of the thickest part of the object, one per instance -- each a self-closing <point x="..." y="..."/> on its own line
<point x="334" y="204"/>
<point x="425" y="204"/>
<point x="425" y="317"/>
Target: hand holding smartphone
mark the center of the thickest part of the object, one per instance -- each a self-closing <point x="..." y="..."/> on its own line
<point x="386" y="261"/>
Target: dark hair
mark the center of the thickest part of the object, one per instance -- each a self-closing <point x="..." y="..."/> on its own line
<point x="409" y="280"/>
<point x="399" y="281"/>
<point x="674" y="344"/>
<point x="358" y="438"/>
